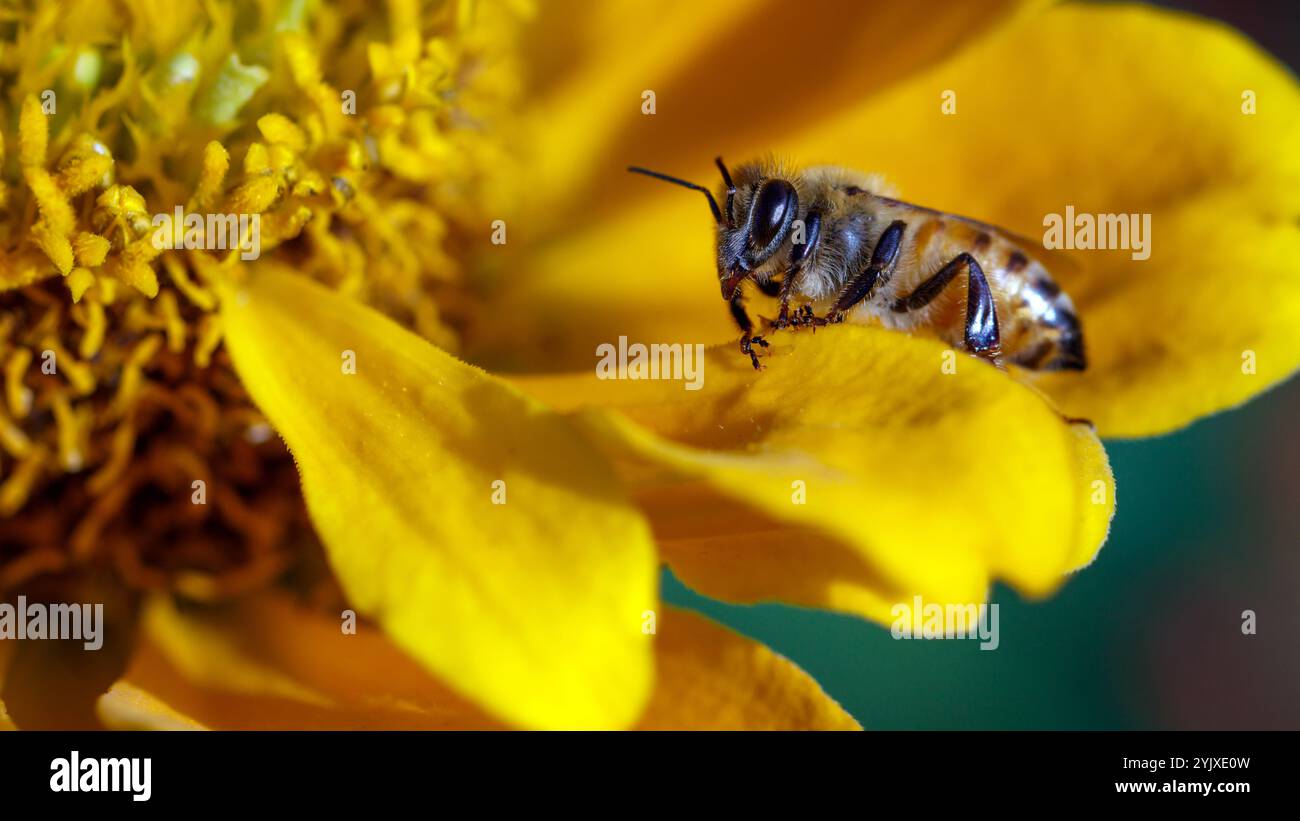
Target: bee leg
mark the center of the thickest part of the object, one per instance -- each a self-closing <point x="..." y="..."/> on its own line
<point x="981" y="334"/>
<point x="783" y="319"/>
<point x="747" y="341"/>
<point x="799" y="254"/>
<point x="804" y="317"/>
<point x="883" y="260"/>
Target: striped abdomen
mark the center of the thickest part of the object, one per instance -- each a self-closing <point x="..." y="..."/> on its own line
<point x="1038" y="325"/>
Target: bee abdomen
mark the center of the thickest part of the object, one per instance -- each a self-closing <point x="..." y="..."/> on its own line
<point x="1053" y="338"/>
<point x="1069" y="344"/>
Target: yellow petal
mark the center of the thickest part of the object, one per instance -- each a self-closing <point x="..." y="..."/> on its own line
<point x="713" y="679"/>
<point x="853" y="473"/>
<point x="593" y="102"/>
<point x="269" y="663"/>
<point x="625" y="55"/>
<point x="531" y="607"/>
<point x="127" y="707"/>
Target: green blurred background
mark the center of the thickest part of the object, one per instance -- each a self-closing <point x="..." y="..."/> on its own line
<point x="1150" y="635"/>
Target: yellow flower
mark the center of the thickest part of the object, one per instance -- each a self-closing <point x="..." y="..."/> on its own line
<point x="505" y="535"/>
<point x="138" y="471"/>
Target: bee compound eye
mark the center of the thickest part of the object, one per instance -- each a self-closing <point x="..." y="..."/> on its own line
<point x="772" y="212"/>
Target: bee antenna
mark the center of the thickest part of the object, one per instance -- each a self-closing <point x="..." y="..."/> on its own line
<point x="731" y="190"/>
<point x="713" y="204"/>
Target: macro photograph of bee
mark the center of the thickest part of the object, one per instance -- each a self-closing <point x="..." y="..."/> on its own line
<point x="828" y="237"/>
<point x="414" y="372"/>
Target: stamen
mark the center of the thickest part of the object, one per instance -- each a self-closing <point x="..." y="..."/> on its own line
<point x="132" y="267"/>
<point x="72" y="434"/>
<point x="17" y="394"/>
<point x="90" y="249"/>
<point x="120" y="450"/>
<point x="14" y="490"/>
<point x="216" y="162"/>
<point x="78" y="374"/>
<point x="200" y="296"/>
<point x="208" y="339"/>
<point x="12" y="438"/>
<point x="172" y="322"/>
<point x="78" y="282"/>
<point x="53" y="205"/>
<point x="133" y="374"/>
<point x="95" y="325"/>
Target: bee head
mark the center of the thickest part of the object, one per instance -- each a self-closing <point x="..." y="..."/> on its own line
<point x="753" y="226"/>
<point x="760" y="215"/>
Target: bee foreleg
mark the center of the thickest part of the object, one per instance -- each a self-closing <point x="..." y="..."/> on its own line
<point x="800" y="253"/>
<point x="747" y="342"/>
<point x="883" y="260"/>
<point x="981" y="331"/>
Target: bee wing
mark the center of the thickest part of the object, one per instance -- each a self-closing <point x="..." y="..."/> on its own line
<point x="1058" y="263"/>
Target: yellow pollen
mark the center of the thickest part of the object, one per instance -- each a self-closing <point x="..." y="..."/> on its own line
<point x="116" y="391"/>
<point x="33" y="133"/>
<point x="90" y="249"/>
<point x="78" y="282"/>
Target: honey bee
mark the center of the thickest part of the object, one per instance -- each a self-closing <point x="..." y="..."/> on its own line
<point x="829" y="239"/>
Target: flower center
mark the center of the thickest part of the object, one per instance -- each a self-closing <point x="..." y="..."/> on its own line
<point x="346" y="145"/>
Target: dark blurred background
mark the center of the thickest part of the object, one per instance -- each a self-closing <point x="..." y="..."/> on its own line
<point x="1148" y="637"/>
